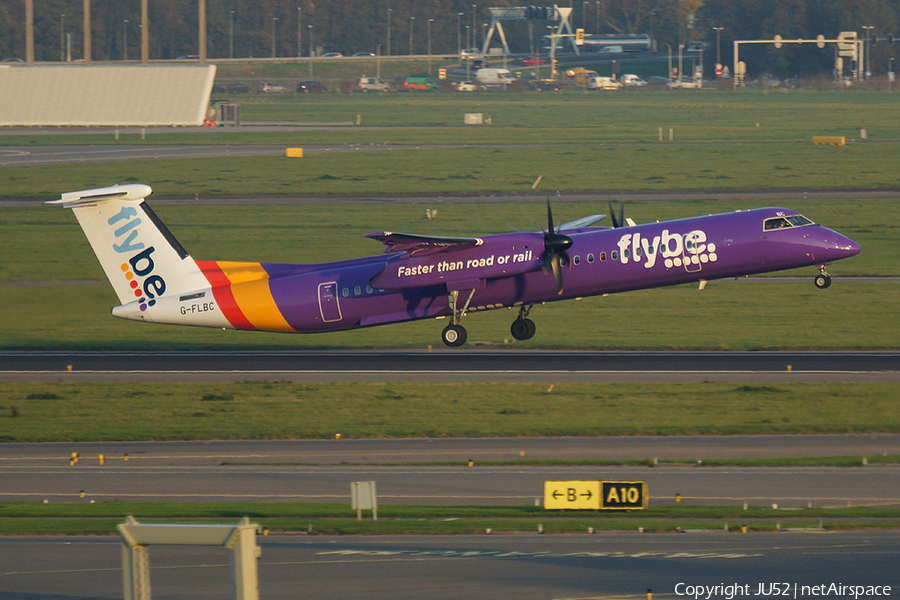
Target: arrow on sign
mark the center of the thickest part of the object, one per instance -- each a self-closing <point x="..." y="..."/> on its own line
<point x="587" y="495"/>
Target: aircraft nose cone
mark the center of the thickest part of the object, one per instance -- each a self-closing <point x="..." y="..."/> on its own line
<point x="837" y="246"/>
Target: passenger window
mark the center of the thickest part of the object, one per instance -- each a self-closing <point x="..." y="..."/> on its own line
<point x="345" y="292"/>
<point x="603" y="257"/>
<point x="577" y="260"/>
<point x="590" y="258"/>
<point x="357" y="291"/>
<point x="615" y="254"/>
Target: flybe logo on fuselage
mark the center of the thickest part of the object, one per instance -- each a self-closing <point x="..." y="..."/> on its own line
<point x="676" y="249"/>
<point x="138" y="269"/>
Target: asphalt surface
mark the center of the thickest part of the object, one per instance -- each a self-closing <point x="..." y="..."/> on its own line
<point x="436" y="471"/>
<point x="489" y="567"/>
<point x="442" y="364"/>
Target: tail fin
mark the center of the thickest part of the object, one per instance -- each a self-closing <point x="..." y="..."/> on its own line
<point x="141" y="257"/>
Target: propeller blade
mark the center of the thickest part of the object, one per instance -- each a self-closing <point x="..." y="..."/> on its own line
<point x="620" y="221"/>
<point x="557" y="273"/>
<point x="555" y="245"/>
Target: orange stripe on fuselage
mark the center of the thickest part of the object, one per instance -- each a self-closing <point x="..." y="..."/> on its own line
<point x="252" y="298"/>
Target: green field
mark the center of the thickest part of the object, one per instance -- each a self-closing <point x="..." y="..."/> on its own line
<point x="20" y="518"/>
<point x="37" y="412"/>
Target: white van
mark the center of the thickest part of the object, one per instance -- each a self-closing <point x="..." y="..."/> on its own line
<point x="603" y="83"/>
<point x="611" y="50"/>
<point x="494" y="78"/>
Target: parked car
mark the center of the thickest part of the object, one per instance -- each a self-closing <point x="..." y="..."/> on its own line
<point x="603" y="83"/>
<point x="466" y="86"/>
<point x="332" y="55"/>
<point x="310" y="87"/>
<point x="469" y="53"/>
<point x="415" y="83"/>
<point x="632" y="80"/>
<point x="532" y="61"/>
<point x="479" y="63"/>
<point x="544" y="85"/>
<point x="370" y="84"/>
<point x="362" y="54"/>
<point x="611" y="50"/>
<point x="239" y="88"/>
<point x="272" y="88"/>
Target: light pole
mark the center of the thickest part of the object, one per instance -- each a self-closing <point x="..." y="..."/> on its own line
<point x="378" y="61"/>
<point x="389" y="31"/>
<point x="125" y="40"/>
<point x="866" y="59"/>
<point x="299" y="29"/>
<point x="718" y="45"/>
<point x="584" y="15"/>
<point x="890" y="73"/>
<point x="62" y="38"/>
<point x="274" y="20"/>
<point x="231" y="34"/>
<point x="474" y="29"/>
<point x="411" y="21"/>
<point x="430" y="21"/>
<point x="458" y="33"/>
<point x="310" y="36"/>
<point x="669" y="73"/>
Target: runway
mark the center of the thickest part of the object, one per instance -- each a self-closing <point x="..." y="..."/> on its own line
<point x="436" y="471"/>
<point x="440" y="364"/>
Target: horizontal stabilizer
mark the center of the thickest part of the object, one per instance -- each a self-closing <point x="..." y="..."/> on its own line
<point x="581" y="223"/>
<point x="422" y="245"/>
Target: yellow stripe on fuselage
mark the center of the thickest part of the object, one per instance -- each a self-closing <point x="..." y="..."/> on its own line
<point x="250" y="286"/>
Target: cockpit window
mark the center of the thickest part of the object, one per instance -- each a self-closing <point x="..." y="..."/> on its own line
<point x="786" y="222"/>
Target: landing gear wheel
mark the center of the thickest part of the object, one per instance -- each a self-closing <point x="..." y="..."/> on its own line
<point x="454" y="335"/>
<point x="823" y="281"/>
<point x="523" y="329"/>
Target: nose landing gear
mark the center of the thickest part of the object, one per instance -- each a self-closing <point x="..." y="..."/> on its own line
<point x="823" y="279"/>
<point x="454" y="334"/>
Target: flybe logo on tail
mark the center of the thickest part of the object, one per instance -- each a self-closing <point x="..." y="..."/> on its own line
<point x="138" y="269"/>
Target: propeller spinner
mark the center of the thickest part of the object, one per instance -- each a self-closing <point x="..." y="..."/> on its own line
<point x="555" y="246"/>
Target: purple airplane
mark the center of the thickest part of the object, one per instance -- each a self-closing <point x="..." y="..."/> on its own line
<point x="422" y="277"/>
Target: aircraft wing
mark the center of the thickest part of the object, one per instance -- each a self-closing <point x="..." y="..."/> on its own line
<point x="423" y="245"/>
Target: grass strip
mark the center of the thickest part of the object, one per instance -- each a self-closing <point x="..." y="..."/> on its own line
<point x="22" y="518"/>
<point x="40" y="412"/>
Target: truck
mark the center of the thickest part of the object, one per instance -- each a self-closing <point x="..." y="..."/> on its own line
<point x="579" y="76"/>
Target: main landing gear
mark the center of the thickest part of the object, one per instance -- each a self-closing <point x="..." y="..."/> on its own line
<point x="823" y="279"/>
<point x="454" y="335"/>
<point x="523" y="328"/>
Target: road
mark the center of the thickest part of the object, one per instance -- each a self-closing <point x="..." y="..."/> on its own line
<point x="490" y="567"/>
<point x="448" y="365"/>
